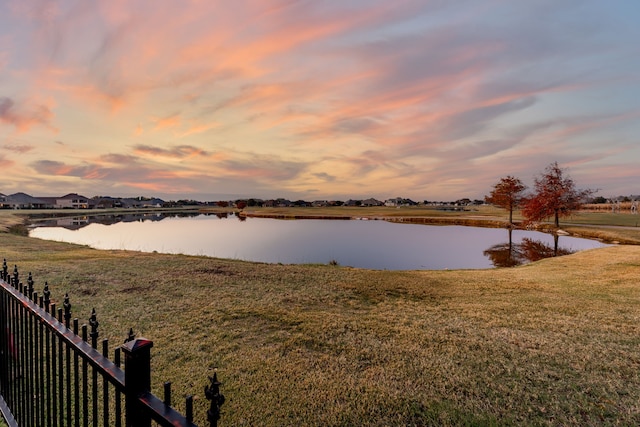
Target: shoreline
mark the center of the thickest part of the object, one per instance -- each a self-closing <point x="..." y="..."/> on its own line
<point x="479" y="222"/>
<point x="576" y="230"/>
<point x="589" y="226"/>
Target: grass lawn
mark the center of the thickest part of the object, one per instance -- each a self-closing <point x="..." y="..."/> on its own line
<point x="555" y="342"/>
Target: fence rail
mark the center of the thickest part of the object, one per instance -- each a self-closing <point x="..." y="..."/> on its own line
<point x="52" y="373"/>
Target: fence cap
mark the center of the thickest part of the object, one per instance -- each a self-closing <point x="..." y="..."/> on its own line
<point x="137" y="344"/>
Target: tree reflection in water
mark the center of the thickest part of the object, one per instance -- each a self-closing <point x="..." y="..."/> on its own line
<point x="511" y="254"/>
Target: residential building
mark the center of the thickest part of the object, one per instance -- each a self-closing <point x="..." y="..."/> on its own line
<point x="72" y="201"/>
<point x="25" y="201"/>
<point x="372" y="202"/>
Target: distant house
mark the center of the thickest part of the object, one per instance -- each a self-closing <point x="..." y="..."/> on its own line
<point x="394" y="202"/>
<point x="69" y="201"/>
<point x="132" y="203"/>
<point x="72" y="201"/>
<point x="153" y="203"/>
<point x="48" y="201"/>
<point x="399" y="201"/>
<point x="372" y="202"/>
<point x="283" y="203"/>
<point x="25" y="201"/>
<point x="107" y="203"/>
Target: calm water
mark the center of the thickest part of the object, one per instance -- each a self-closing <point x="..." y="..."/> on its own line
<point x="365" y="244"/>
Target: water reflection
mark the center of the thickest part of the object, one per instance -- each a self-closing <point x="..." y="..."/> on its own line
<point x="78" y="222"/>
<point x="363" y="244"/>
<point x="511" y="254"/>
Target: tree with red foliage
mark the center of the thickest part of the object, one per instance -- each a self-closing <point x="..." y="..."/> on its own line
<point x="555" y="196"/>
<point x="507" y="194"/>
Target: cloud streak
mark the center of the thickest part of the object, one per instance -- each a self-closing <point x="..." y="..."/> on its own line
<point x="179" y="152"/>
<point x="23" y="116"/>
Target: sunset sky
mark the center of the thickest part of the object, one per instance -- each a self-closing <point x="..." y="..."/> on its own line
<point x="426" y="99"/>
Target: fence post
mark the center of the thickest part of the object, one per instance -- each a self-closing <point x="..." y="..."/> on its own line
<point x="137" y="379"/>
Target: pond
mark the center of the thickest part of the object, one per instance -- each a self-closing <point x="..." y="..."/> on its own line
<point x="378" y="245"/>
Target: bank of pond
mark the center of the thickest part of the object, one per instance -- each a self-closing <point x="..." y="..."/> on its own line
<point x="370" y="244"/>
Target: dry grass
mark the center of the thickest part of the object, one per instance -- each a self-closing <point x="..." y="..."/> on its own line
<point x="551" y="343"/>
<point x="377" y="212"/>
<point x="625" y="207"/>
<point x="8" y="220"/>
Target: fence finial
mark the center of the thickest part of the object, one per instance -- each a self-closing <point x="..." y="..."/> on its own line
<point x="93" y="322"/>
<point x="130" y="337"/>
<point x="5" y="270"/>
<point x="30" y="285"/>
<point x="212" y="393"/>
<point x="16" y="276"/>
<point x="67" y="310"/>
<point x="47" y="294"/>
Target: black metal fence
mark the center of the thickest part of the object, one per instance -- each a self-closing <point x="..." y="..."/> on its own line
<point x="52" y="373"/>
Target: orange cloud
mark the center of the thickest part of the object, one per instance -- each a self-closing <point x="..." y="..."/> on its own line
<point x="196" y="129"/>
<point x="167" y="122"/>
<point x="23" y="116"/>
<point x="6" y="163"/>
<point x="54" y="168"/>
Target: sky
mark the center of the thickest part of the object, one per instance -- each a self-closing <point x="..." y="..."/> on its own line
<point x="316" y="99"/>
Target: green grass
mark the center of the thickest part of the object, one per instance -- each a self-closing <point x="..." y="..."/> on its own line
<point x="605" y="218"/>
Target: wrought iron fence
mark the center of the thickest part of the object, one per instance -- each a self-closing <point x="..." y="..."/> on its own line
<point x="52" y="373"/>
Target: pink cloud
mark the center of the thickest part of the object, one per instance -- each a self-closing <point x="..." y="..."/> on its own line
<point x="85" y="170"/>
<point x="178" y="152"/>
<point x="142" y="51"/>
<point x="18" y="148"/>
<point x="6" y="163"/>
<point x="23" y="116"/>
